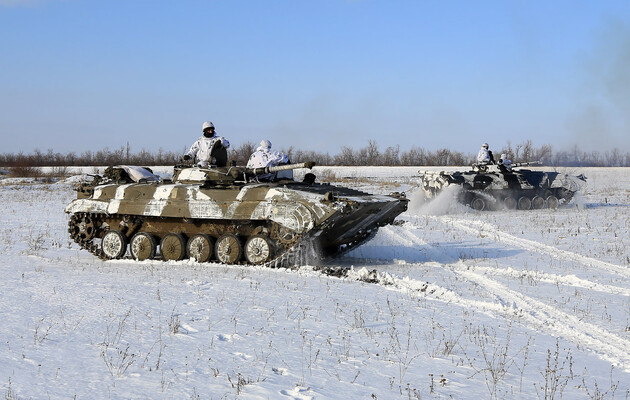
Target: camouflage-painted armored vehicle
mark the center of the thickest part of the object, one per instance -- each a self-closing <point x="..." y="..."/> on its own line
<point x="223" y="214"/>
<point x="492" y="187"/>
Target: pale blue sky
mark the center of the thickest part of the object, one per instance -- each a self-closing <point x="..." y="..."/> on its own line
<point x="82" y="75"/>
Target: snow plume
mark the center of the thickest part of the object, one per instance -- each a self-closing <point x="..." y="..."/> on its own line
<point x="444" y="203"/>
<point x="307" y="254"/>
<point x="578" y="201"/>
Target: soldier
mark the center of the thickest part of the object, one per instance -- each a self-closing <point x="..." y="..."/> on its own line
<point x="505" y="160"/>
<point x="264" y="157"/>
<point x="505" y="164"/>
<point x="485" y="156"/>
<point x="209" y="146"/>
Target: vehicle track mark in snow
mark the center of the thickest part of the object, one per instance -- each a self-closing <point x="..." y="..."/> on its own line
<point x="403" y="235"/>
<point x="432" y="251"/>
<point x="477" y="227"/>
<point x="568" y="280"/>
<point x="429" y="290"/>
<point x="550" y="319"/>
<point x="512" y="304"/>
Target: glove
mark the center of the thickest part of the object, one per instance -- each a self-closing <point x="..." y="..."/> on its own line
<point x="186" y="157"/>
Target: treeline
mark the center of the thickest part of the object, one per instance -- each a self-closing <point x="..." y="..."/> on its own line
<point x="123" y="155"/>
<point x="370" y="155"/>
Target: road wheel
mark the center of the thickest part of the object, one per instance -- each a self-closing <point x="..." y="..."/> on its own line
<point x="228" y="249"/>
<point x="114" y="244"/>
<point x="200" y="247"/>
<point x="478" y="204"/>
<point x="510" y="203"/>
<point x="258" y="249"/>
<point x="524" y="203"/>
<point x="173" y="247"/>
<point x="142" y="246"/>
<point x="538" y="203"/>
<point x="552" y="202"/>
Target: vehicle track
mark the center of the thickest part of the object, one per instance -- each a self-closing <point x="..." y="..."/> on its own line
<point x="566" y="280"/>
<point x="542" y="316"/>
<point x="477" y="227"/>
<point x="407" y="237"/>
<point x="509" y="303"/>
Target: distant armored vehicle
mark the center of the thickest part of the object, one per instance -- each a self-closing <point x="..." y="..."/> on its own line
<point x="223" y="214"/>
<point x="491" y="187"/>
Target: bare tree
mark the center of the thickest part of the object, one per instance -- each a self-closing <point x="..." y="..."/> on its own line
<point x="346" y="157"/>
<point x="241" y="153"/>
<point x="369" y="155"/>
<point x="373" y="154"/>
<point x="391" y="156"/>
<point x="528" y="151"/>
<point x="543" y="153"/>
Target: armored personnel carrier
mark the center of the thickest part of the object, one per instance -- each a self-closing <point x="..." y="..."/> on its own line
<point x="223" y="214"/>
<point x="492" y="187"/>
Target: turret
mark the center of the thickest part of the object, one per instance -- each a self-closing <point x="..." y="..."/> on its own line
<point x="229" y="175"/>
<point x="502" y="167"/>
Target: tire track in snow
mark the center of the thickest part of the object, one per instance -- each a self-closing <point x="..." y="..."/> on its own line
<point x="513" y="304"/>
<point x="405" y="235"/>
<point x="567" y="280"/>
<point x="542" y="316"/>
<point x="476" y="227"/>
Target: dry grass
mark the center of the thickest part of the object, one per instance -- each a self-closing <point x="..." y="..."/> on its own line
<point x="25" y="171"/>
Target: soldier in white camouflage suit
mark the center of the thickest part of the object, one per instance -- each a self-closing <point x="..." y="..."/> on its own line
<point x="264" y="157"/>
<point x="202" y="148"/>
<point x="485" y="156"/>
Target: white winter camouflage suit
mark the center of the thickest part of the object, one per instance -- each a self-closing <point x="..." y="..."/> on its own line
<point x="264" y="157"/>
<point x="483" y="157"/>
<point x="202" y="148"/>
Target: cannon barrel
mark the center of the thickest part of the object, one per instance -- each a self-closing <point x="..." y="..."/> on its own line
<point x="269" y="170"/>
<point x="524" y="164"/>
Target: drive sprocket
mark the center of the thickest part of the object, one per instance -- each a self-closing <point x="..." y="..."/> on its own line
<point x="283" y="236"/>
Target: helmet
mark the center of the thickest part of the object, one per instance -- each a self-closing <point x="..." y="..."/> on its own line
<point x="485" y="145"/>
<point x="207" y="125"/>
<point x="504" y="156"/>
<point x="265" y="143"/>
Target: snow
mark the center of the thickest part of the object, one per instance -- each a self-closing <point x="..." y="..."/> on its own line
<point x="450" y="303"/>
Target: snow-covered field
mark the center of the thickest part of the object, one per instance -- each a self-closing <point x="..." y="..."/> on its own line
<point x="470" y="305"/>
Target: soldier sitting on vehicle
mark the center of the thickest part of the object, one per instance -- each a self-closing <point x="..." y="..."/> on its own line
<point x="209" y="149"/>
<point x="264" y="157"/>
<point x="485" y="156"/>
<point x="505" y="164"/>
